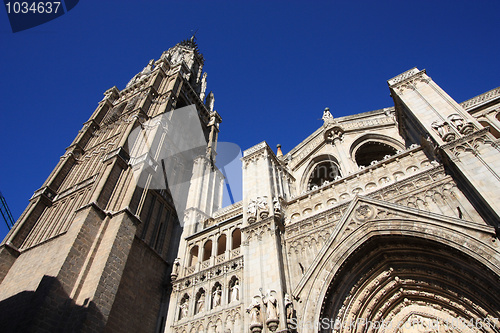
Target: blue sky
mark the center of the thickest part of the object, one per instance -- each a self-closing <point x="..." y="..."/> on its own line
<point x="273" y="66"/>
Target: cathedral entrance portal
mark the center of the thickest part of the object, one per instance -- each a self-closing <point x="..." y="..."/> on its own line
<point x="408" y="284"/>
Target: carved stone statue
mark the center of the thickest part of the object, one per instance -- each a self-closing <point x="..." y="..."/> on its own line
<point x="201" y="303"/>
<point x="175" y="269"/>
<point x="184" y="309"/>
<point x="271" y="305"/>
<point x="327" y="116"/>
<point x="254" y="311"/>
<point x="271" y="310"/>
<point x="217" y="296"/>
<point x="235" y="291"/>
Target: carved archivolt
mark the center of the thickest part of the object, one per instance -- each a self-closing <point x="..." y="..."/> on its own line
<point x="408" y="285"/>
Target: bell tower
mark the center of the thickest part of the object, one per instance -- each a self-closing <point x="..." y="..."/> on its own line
<point x="98" y="239"/>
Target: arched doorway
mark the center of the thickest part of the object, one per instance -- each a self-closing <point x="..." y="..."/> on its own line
<point x="410" y="284"/>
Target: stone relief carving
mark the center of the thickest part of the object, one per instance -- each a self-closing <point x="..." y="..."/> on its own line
<point x="262" y="206"/>
<point x="333" y="134"/>
<point x="252" y="211"/>
<point x="459" y="123"/>
<point x="363" y="212"/>
<point x="258" y="205"/>
<point x="443" y="129"/>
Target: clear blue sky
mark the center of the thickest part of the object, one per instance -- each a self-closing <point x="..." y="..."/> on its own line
<point x="273" y="66"/>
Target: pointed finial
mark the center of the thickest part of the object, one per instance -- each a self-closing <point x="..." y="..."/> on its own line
<point x="279" y="153"/>
<point x="193" y="37"/>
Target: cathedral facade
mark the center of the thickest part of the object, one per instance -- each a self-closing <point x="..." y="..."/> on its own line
<point x="383" y="221"/>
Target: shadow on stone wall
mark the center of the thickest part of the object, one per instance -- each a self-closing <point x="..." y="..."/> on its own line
<point x="47" y="309"/>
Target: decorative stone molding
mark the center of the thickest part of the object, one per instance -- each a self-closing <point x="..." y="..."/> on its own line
<point x="481" y="99"/>
<point x="233" y="266"/>
<point x="403" y="76"/>
<point x="470" y="143"/>
<point x="408" y="80"/>
<point x="443" y="130"/>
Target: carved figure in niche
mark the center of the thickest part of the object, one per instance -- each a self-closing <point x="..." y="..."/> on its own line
<point x="327" y="115"/>
<point x="201" y="303"/>
<point x="217" y="296"/>
<point x="271" y="305"/>
<point x="254" y="311"/>
<point x="288" y="307"/>
<point x="183" y="309"/>
<point x="235" y="291"/>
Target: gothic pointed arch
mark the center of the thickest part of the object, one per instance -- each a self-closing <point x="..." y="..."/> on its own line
<point x="402" y="282"/>
<point x="388" y="263"/>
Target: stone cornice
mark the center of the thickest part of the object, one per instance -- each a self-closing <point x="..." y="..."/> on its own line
<point x="403" y="77"/>
<point x="481" y="99"/>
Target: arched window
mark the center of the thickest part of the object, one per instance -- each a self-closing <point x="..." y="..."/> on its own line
<point x="193" y="255"/>
<point x="373" y="151"/>
<point x="322" y="173"/>
<point x="200" y="301"/>
<point x="234" y="290"/>
<point x="221" y="244"/>
<point x="207" y="250"/>
<point x="236" y="236"/>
